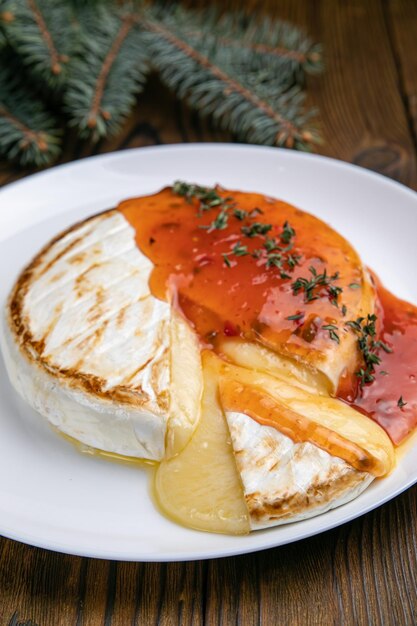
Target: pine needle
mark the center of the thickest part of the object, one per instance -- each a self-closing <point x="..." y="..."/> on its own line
<point x="28" y="134"/>
<point x="108" y="72"/>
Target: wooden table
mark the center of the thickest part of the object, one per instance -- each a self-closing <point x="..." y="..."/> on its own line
<point x="364" y="572"/>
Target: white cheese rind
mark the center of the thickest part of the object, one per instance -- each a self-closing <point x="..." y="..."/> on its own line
<point x="284" y="481"/>
<point x="102" y="424"/>
<point x="89" y="312"/>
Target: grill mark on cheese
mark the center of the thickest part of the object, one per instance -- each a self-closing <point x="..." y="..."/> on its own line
<point x="95" y="312"/>
<point x="33" y="348"/>
<point x="60" y="254"/>
<point x="51" y="326"/>
<point x="82" y="283"/>
<point x="291" y="504"/>
<point x="137" y="370"/>
<point x="91" y="340"/>
<point x="71" y="279"/>
<point x="121" y="317"/>
<point x="56" y="277"/>
<point x="105" y="319"/>
<point x="77" y="258"/>
<point x="267" y="411"/>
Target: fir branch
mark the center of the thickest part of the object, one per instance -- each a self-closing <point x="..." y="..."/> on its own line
<point x="28" y="133"/>
<point x="250" y="104"/>
<point x="260" y="42"/>
<point x="93" y="56"/>
<point x="107" y="73"/>
<point x="43" y="34"/>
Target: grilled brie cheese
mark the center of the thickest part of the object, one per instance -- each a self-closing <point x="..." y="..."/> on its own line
<point x="113" y="334"/>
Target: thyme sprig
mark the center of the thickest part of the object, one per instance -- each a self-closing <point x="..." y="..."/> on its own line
<point x="314" y="285"/>
<point x="365" y="328"/>
<point x="275" y="254"/>
<point x="287" y="233"/>
<point x="332" y="329"/>
<point x="241" y="214"/>
<point x="208" y="197"/>
<point x="256" y="228"/>
<point x="296" y="317"/>
<point x="240" y="250"/>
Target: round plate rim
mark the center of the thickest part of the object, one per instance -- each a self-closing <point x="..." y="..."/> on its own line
<point x="66" y="547"/>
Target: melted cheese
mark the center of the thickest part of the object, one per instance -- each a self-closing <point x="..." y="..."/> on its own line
<point x="320" y="410"/>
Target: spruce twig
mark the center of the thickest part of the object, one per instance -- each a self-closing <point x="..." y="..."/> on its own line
<point x="259" y="41"/>
<point x="42" y="33"/>
<point x="249" y="104"/>
<point x="108" y="72"/>
<point x="27" y="131"/>
<point x="92" y="58"/>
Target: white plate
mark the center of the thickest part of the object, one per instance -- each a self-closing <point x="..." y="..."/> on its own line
<point x="54" y="497"/>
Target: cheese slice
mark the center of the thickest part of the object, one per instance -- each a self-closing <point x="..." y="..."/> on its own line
<point x="200" y="487"/>
<point x="89" y="347"/>
<point x="284" y="481"/>
<point x="307" y="416"/>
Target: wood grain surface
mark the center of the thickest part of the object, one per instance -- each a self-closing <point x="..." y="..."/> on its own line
<point x="362" y="573"/>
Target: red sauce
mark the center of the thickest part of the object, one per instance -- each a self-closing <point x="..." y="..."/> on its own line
<point x="226" y="296"/>
<point x="396" y="375"/>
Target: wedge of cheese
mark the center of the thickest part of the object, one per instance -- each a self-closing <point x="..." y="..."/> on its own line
<point x="251" y="446"/>
<point x="284" y="481"/>
<point x="89" y="347"/>
<point x="294" y="459"/>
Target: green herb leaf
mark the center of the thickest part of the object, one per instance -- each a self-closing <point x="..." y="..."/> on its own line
<point x="312" y="287"/>
<point x="257" y="228"/>
<point x="240" y="250"/>
<point x="226" y="259"/>
<point x="287" y="233"/>
<point x="332" y="328"/>
<point x="240" y="214"/>
<point x="297" y="316"/>
<point x="401" y="402"/>
<point x="365" y="327"/>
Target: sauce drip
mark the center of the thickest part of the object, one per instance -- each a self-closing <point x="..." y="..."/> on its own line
<point x="396" y="374"/>
<point x="223" y="294"/>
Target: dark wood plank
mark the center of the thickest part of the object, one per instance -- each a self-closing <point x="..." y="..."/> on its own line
<point x="48" y="588"/>
<point x="362" y="112"/>
<point x="37" y="585"/>
<point x="401" y="16"/>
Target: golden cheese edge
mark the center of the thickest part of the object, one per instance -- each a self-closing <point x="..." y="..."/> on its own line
<point x="323" y="410"/>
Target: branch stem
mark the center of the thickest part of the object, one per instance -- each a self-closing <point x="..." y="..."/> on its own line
<point x="127" y="23"/>
<point x="31" y="136"/>
<point x="55" y="59"/>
